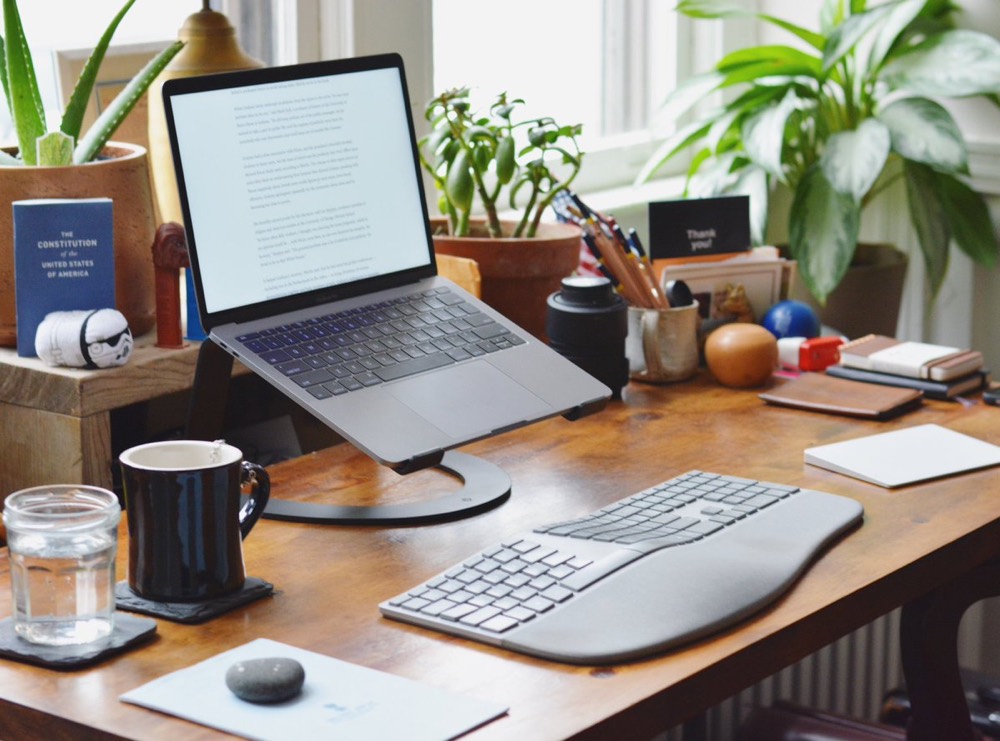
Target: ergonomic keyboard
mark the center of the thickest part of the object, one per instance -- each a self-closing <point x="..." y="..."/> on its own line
<point x="670" y="564"/>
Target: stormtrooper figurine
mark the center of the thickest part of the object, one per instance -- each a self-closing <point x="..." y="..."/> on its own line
<point x="84" y="339"/>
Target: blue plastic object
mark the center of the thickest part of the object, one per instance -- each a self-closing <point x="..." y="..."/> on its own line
<point x="792" y="319"/>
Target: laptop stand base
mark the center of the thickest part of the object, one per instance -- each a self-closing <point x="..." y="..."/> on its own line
<point x="485" y="485"/>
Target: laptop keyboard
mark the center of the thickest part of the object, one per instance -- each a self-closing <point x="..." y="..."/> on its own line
<point x="681" y="559"/>
<point x="353" y="349"/>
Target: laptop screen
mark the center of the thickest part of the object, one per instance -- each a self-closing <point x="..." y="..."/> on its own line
<point x="296" y="180"/>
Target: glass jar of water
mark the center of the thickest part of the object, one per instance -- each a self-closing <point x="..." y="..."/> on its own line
<point x="63" y="543"/>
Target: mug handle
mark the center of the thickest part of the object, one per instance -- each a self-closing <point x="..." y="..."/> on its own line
<point x="260" y="491"/>
<point x="651" y="344"/>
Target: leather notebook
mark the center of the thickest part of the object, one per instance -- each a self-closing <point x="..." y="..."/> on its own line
<point x="819" y="392"/>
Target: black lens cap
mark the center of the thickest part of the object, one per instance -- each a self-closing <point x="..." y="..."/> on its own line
<point x="587" y="290"/>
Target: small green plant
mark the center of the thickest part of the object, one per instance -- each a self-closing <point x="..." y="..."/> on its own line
<point x="839" y="117"/>
<point x="37" y="145"/>
<point x="470" y="155"/>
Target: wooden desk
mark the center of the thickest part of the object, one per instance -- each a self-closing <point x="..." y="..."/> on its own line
<point x="329" y="579"/>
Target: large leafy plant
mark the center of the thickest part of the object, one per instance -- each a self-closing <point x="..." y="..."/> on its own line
<point x="37" y="145"/>
<point x="837" y="118"/>
<point x="481" y="157"/>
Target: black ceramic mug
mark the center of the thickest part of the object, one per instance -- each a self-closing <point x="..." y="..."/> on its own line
<point x="185" y="520"/>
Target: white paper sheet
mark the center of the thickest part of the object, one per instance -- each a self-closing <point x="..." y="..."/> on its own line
<point x="905" y="456"/>
<point x="339" y="700"/>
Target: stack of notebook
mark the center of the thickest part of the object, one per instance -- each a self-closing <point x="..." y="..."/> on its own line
<point x="941" y="372"/>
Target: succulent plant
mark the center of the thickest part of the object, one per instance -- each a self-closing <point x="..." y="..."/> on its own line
<point x="37" y="145"/>
<point x="474" y="156"/>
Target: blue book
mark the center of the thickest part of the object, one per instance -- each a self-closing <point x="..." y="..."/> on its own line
<point x="63" y="260"/>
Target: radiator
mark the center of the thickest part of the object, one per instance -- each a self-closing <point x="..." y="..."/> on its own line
<point x="849" y="676"/>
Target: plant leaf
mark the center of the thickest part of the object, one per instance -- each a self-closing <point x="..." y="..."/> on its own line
<point x="923" y="131"/>
<point x="55" y="149"/>
<point x="25" y="100"/>
<point x="714" y="175"/>
<point x="929" y="221"/>
<point x="823" y="232"/>
<point x="752" y="181"/>
<point x="505" y="159"/>
<point x="731" y="8"/>
<point x="3" y="75"/>
<point x="712" y="8"/>
<point x="785" y="60"/>
<point x="764" y="134"/>
<point x="459" y="185"/>
<point x="678" y="141"/>
<point x="72" y="118"/>
<point x="846" y="36"/>
<point x="689" y="93"/>
<point x="853" y="160"/>
<point x="899" y="19"/>
<point x="969" y="219"/>
<point x="953" y="63"/>
<point x="112" y="116"/>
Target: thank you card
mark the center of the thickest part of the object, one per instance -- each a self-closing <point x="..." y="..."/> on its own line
<point x="699" y="227"/>
<point x="63" y="260"/>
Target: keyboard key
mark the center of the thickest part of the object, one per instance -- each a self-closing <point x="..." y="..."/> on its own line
<point x="480" y="616"/>
<point x="499" y="624"/>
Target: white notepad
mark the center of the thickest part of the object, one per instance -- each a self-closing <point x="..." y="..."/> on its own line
<point x="339" y="700"/>
<point x="905" y="456"/>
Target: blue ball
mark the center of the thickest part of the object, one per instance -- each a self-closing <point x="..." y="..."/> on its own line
<point x="792" y="319"/>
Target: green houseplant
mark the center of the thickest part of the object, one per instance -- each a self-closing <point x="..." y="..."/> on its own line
<point x="472" y="156"/>
<point x="69" y="163"/>
<point x="839" y="117"/>
<point x="36" y="144"/>
<point x="484" y="166"/>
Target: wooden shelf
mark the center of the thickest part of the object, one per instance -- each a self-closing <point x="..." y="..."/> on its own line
<point x="55" y="423"/>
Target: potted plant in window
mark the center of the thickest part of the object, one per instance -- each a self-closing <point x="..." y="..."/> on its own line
<point x="838" y="118"/>
<point x="68" y="163"/>
<point x="483" y="164"/>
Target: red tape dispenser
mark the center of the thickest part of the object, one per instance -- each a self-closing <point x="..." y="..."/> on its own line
<point x="809" y="354"/>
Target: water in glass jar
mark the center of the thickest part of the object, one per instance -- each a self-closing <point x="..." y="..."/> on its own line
<point x="63" y="586"/>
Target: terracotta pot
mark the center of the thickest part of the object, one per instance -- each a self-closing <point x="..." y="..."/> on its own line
<point x="867" y="300"/>
<point x="124" y="178"/>
<point x="519" y="274"/>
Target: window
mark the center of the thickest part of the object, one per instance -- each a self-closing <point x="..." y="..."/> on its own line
<point x="619" y="59"/>
<point x="603" y="63"/>
<point x="79" y="27"/>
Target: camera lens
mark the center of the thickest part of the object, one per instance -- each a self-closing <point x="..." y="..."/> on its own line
<point x="587" y="323"/>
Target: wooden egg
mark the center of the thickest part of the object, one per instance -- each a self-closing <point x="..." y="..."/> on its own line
<point x="741" y="355"/>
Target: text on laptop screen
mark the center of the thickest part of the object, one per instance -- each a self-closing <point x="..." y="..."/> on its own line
<point x="299" y="185"/>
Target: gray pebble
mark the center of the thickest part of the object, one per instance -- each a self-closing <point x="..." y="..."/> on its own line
<point x="266" y="680"/>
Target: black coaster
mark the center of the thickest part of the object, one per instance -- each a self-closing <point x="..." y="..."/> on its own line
<point x="129" y="631"/>
<point x="191" y="612"/>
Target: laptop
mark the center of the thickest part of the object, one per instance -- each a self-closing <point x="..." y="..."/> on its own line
<point x="309" y="241"/>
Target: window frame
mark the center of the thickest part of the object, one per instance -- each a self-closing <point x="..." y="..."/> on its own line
<point x="336" y="28"/>
<point x="321" y="29"/>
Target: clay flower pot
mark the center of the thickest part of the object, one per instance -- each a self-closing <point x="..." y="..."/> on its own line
<point x="121" y="175"/>
<point x="519" y="274"/>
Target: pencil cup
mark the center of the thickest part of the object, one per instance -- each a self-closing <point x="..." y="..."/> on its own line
<point x="662" y="344"/>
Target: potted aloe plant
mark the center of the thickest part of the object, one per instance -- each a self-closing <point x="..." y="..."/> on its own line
<point x="838" y="116"/>
<point x="486" y="164"/>
<point x="69" y="163"/>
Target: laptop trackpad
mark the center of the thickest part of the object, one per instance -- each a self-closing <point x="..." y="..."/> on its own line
<point x="469" y="399"/>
